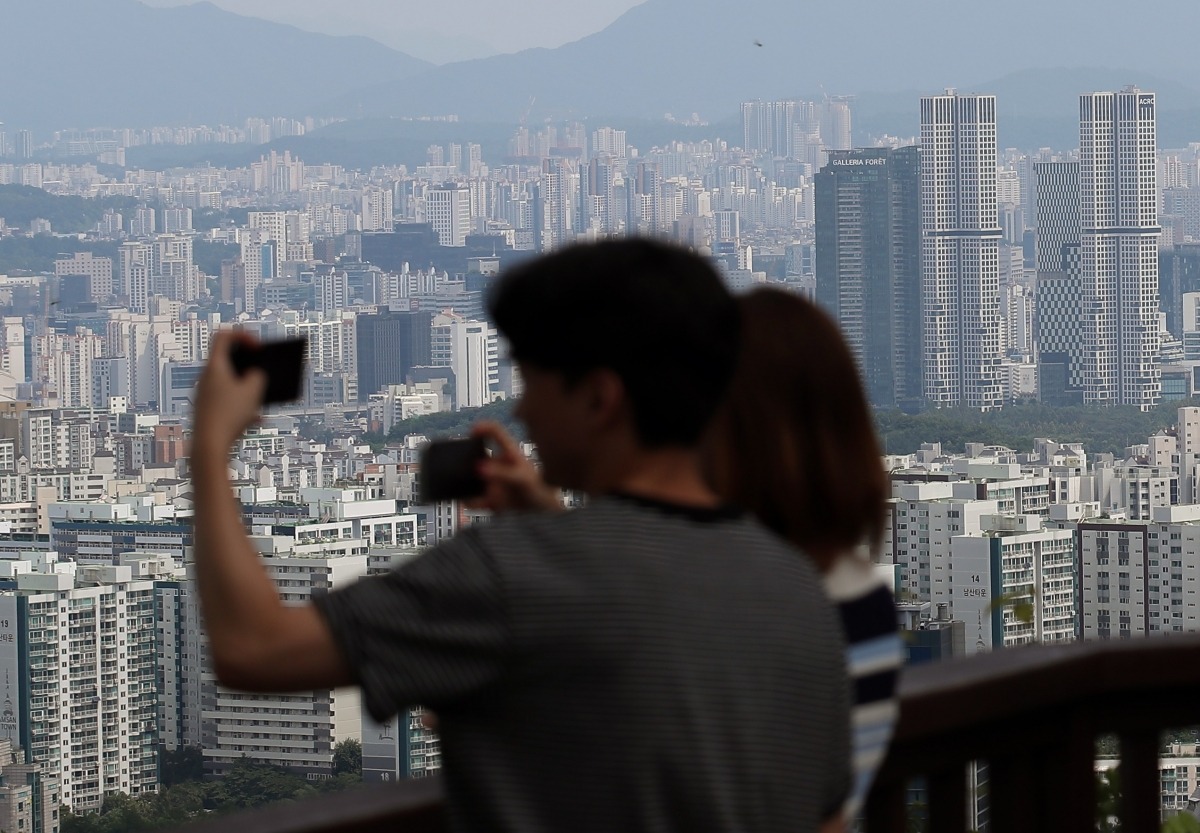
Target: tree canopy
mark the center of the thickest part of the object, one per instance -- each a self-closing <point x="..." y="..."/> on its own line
<point x="246" y="785"/>
<point x="1099" y="429"/>
<point x="21" y="204"/>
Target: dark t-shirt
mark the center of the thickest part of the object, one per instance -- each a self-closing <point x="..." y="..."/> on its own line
<point x="629" y="666"/>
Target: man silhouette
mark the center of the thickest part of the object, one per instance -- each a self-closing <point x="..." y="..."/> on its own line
<point x="653" y="661"/>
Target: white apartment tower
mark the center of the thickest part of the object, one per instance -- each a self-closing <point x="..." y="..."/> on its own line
<point x="557" y="192"/>
<point x="1119" y="248"/>
<point x="296" y="730"/>
<point x="470" y="349"/>
<point x="960" y="258"/>
<point x="99" y="271"/>
<point x="65" y="363"/>
<point x="1011" y="584"/>
<point x="87" y="700"/>
<point x="12" y="354"/>
<point x="136" y="262"/>
<point x="448" y="208"/>
<point x="274" y="229"/>
<point x="608" y="141"/>
<point x="377" y="209"/>
<point x="174" y="274"/>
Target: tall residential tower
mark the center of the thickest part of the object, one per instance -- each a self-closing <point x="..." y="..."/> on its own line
<point x="960" y="236"/>
<point x="1119" y="248"/>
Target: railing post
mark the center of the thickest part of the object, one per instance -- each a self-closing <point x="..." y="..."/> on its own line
<point x="885" y="808"/>
<point x="948" y="800"/>
<point x="1141" y="784"/>
<point x="1012" y="794"/>
<point x="1068" y="780"/>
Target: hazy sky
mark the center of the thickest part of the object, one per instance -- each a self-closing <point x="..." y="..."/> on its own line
<point x="440" y="30"/>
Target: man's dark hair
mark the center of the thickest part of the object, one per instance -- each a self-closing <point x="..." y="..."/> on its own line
<point x="656" y="315"/>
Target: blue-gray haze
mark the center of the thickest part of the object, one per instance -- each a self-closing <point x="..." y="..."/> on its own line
<point x="122" y="63"/>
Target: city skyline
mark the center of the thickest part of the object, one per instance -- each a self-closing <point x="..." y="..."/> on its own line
<point x="967" y="275"/>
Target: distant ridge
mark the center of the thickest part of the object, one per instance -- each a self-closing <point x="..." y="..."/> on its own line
<point x="681" y="56"/>
<point x="119" y="63"/>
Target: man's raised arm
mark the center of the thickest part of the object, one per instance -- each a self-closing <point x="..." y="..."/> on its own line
<point x="257" y="643"/>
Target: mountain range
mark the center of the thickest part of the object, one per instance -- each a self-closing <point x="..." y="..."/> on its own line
<point x="121" y="63"/>
<point x="705" y="56"/>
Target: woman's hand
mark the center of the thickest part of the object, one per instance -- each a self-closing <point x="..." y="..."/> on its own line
<point x="513" y="482"/>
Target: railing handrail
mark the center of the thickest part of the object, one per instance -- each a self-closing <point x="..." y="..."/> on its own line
<point x="945" y="697"/>
<point x="402" y="807"/>
<point x="951" y="700"/>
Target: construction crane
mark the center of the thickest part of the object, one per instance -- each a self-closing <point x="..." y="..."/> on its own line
<point x="528" y="110"/>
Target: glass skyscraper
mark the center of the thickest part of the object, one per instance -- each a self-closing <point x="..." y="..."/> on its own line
<point x="868" y="212"/>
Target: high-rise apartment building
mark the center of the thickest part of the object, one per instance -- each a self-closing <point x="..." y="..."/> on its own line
<point x="257" y="265"/>
<point x="173" y="273"/>
<point x="297" y="730"/>
<point x="648" y="210"/>
<point x="836" y="123"/>
<point x="1059" y="332"/>
<point x="868" y="205"/>
<point x="143" y="223"/>
<point x="470" y="349"/>
<point x="1057" y="212"/>
<point x="768" y="127"/>
<point x="377" y="209"/>
<point x="177" y="220"/>
<point x="598" y="189"/>
<point x="99" y="271"/>
<point x="86" y="700"/>
<point x="388" y="345"/>
<point x="1013" y="564"/>
<point x="448" y="208"/>
<point x="609" y="142"/>
<point x="1119" y="248"/>
<point x="135" y="262"/>
<point x="64" y="362"/>
<point x="960" y="237"/>
<point x="1059" y="226"/>
<point x="558" y="190"/>
<point x="287" y="233"/>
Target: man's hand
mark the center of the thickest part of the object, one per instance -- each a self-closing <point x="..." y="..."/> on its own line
<point x="226" y="403"/>
<point x="513" y="482"/>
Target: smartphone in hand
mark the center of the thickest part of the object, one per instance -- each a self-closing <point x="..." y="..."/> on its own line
<point x="450" y="469"/>
<point x="282" y="361"/>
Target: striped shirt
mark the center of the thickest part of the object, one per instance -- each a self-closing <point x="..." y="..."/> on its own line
<point x="874" y="654"/>
<point x="629" y="666"/>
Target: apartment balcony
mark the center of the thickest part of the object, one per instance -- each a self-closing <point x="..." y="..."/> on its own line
<point x="1031" y="714"/>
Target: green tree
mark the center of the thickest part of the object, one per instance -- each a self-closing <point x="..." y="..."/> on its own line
<point x="178" y="766"/>
<point x="82" y="823"/>
<point x="37" y="254"/>
<point x="1108" y="801"/>
<point x="347" y="757"/>
<point x="1109" y="430"/>
<point x="251" y="785"/>
<point x="21" y="204"/>
<point x="458" y="423"/>
<point x="1181" y="823"/>
<point x="209" y="255"/>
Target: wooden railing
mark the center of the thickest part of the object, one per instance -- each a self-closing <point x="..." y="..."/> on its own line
<point x="406" y="807"/>
<point x="1031" y="714"/>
